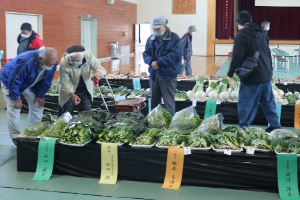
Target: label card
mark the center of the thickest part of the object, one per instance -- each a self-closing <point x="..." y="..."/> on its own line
<point x="149" y="105"/>
<point x="109" y="163"/>
<point x="297" y="116"/>
<point x="227" y="152"/>
<point x="187" y="150"/>
<point x="136" y="83"/>
<point x="210" y="108"/>
<point x="45" y="159"/>
<point x="174" y="168"/>
<point x="119" y="98"/>
<point x="250" y="150"/>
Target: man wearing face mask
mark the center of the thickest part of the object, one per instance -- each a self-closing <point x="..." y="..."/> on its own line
<point x="29" y="74"/>
<point x="163" y="55"/>
<point x="187" y="50"/>
<point x="77" y="68"/>
<point x="265" y="25"/>
<point x="28" y="39"/>
<point x="257" y="88"/>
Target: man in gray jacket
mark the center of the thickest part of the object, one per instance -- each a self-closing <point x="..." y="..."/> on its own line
<point x="187" y="50"/>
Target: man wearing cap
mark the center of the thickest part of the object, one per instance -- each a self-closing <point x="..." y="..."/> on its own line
<point x="75" y="85"/>
<point x="29" y="74"/>
<point x="163" y="55"/>
<point x="187" y="50"/>
<point x="28" y="39"/>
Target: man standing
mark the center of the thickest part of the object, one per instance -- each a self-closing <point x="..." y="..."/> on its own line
<point x="257" y="89"/>
<point x="187" y="50"/>
<point x="163" y="55"/>
<point x="30" y="74"/>
<point x="28" y="39"/>
<point x="265" y="25"/>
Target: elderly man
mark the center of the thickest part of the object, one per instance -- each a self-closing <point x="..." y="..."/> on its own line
<point x="30" y="74"/>
<point x="265" y="25"/>
<point x="28" y="39"/>
<point x="187" y="50"/>
<point x="163" y="55"/>
<point x="75" y="86"/>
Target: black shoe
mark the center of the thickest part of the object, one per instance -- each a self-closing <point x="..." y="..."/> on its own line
<point x="270" y="129"/>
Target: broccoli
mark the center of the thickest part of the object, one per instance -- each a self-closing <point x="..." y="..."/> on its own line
<point x="279" y="145"/>
<point x="294" y="147"/>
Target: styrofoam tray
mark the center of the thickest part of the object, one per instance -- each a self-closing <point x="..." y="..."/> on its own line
<point x="75" y="145"/>
<point x="27" y="137"/>
<point x="55" y="95"/>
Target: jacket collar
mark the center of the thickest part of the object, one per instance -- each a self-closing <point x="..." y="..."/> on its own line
<point x="166" y="36"/>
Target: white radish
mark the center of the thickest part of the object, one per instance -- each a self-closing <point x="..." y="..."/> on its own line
<point x="224" y="96"/>
<point x="208" y="90"/>
<point x="275" y="93"/>
<point x="280" y="93"/>
<point x="213" y="95"/>
<point x="191" y="95"/>
<point x="200" y="95"/>
<point x="235" y="95"/>
<point x="278" y="99"/>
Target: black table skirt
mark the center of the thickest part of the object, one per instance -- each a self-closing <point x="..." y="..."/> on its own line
<point x="201" y="168"/>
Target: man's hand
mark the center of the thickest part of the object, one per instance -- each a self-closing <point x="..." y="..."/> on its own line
<point x="154" y="65"/>
<point x="18" y="103"/>
<point x="231" y="82"/>
<point x="76" y="100"/>
<point x="41" y="101"/>
<point x="97" y="75"/>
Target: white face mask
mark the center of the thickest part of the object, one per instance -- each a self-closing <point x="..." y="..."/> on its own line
<point x="193" y="33"/>
<point x="76" y="63"/>
<point x="268" y="28"/>
<point x="46" y="67"/>
<point x="240" y="27"/>
<point x="25" y="36"/>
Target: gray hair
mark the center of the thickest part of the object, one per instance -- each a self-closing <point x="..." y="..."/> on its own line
<point x="265" y="23"/>
<point x="43" y="52"/>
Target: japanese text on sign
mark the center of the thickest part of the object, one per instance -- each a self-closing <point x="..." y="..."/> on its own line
<point x="109" y="163"/>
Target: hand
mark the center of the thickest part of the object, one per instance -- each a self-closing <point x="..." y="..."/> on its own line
<point x="97" y="75"/>
<point x="18" y="103"/>
<point x="231" y="82"/>
<point x="76" y="100"/>
<point x="154" y="65"/>
<point x="41" y="101"/>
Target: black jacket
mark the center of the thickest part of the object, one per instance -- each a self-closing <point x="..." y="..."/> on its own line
<point x="246" y="42"/>
<point x="187" y="46"/>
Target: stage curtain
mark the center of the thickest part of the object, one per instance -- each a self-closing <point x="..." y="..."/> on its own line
<point x="224" y="19"/>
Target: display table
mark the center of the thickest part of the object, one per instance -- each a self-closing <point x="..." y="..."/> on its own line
<point x="201" y="168"/>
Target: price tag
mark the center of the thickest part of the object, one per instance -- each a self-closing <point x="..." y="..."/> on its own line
<point x="119" y="98"/>
<point x="45" y="159"/>
<point x="227" y="152"/>
<point x="149" y="105"/>
<point x="218" y="102"/>
<point x="250" y="150"/>
<point x="174" y="168"/>
<point x="297" y="116"/>
<point x="287" y="176"/>
<point x="285" y="83"/>
<point x="187" y="151"/>
<point x="194" y="103"/>
<point x="109" y="163"/>
<point x="210" y="108"/>
<point x="162" y="101"/>
<point x="136" y="83"/>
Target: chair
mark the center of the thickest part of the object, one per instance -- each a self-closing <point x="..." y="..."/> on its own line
<point x="282" y="57"/>
<point x="296" y="54"/>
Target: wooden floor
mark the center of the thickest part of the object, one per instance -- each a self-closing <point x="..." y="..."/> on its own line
<point x="200" y="65"/>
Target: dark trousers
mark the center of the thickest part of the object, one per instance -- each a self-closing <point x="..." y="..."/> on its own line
<point x="249" y="98"/>
<point x="187" y="66"/>
<point x="165" y="90"/>
<point x="85" y="103"/>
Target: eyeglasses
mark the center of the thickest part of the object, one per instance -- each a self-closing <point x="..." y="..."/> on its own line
<point x="50" y="65"/>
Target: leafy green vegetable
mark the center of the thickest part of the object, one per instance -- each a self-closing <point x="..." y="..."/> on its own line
<point x="294" y="147"/>
<point x="171" y="138"/>
<point x="260" y="144"/>
<point x="48" y="118"/>
<point x="121" y="91"/>
<point x="140" y="93"/>
<point x="53" y="90"/>
<point x="97" y="114"/>
<point x="56" y="127"/>
<point x="180" y="95"/>
<point x="149" y="137"/>
<point x="36" y="129"/>
<point x="279" y="145"/>
<point x="292" y="98"/>
<point x="199" y="139"/>
<point x="159" y="118"/>
<point x="227" y="140"/>
<point x="75" y="133"/>
<point x="212" y="125"/>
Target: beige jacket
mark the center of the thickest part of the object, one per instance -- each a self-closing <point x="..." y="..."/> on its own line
<point x="69" y="76"/>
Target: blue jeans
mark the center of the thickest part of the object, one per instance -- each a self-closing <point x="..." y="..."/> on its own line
<point x="187" y="66"/>
<point x="249" y="98"/>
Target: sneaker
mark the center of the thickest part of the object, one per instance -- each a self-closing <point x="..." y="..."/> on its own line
<point x="14" y="143"/>
<point x="270" y="129"/>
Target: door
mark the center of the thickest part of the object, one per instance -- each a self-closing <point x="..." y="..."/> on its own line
<point x="13" y="29"/>
<point x="89" y="35"/>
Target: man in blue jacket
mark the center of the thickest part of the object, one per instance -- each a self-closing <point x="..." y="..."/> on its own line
<point x="29" y="74"/>
<point x="163" y="55"/>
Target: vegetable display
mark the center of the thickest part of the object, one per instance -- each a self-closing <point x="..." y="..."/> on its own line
<point x="104" y="90"/>
<point x="121" y="91"/>
<point x="171" y="138"/>
<point x="149" y="137"/>
<point x="48" y="118"/>
<point x="97" y="114"/>
<point x="212" y="125"/>
<point x="75" y="133"/>
<point x="291" y="98"/>
<point x="185" y="121"/>
<point x="180" y="95"/>
<point x="197" y="92"/>
<point x="36" y="129"/>
<point x="56" y="127"/>
<point x="159" y="118"/>
<point x="140" y="93"/>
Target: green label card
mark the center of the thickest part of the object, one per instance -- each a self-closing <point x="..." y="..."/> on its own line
<point x="210" y="108"/>
<point x="45" y="159"/>
<point x="287" y="176"/>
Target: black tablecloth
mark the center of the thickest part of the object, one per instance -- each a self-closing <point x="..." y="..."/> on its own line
<point x="201" y="168"/>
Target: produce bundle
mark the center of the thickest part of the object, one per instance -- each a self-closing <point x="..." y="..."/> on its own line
<point x="159" y="118"/>
<point x="48" y="118"/>
<point x="130" y="118"/>
<point x="75" y="133"/>
<point x="171" y="138"/>
<point x="227" y="140"/>
<point x="292" y="98"/>
<point x="197" y="92"/>
<point x="200" y="139"/>
<point x="121" y="91"/>
<point x="235" y="90"/>
<point x="261" y="144"/>
<point x="278" y="94"/>
<point x="279" y="145"/>
<point x="104" y="90"/>
<point x="283" y="134"/>
<point x="97" y="114"/>
<point x="254" y="133"/>
<point x="95" y="126"/>
<point x="36" y="129"/>
<point x="55" y="128"/>
<point x="222" y="89"/>
<point x="149" y="137"/>
<point x="212" y="125"/>
<point x="294" y="147"/>
<point x="211" y="91"/>
<point x="185" y="121"/>
<point x="180" y="95"/>
<point x="140" y="93"/>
